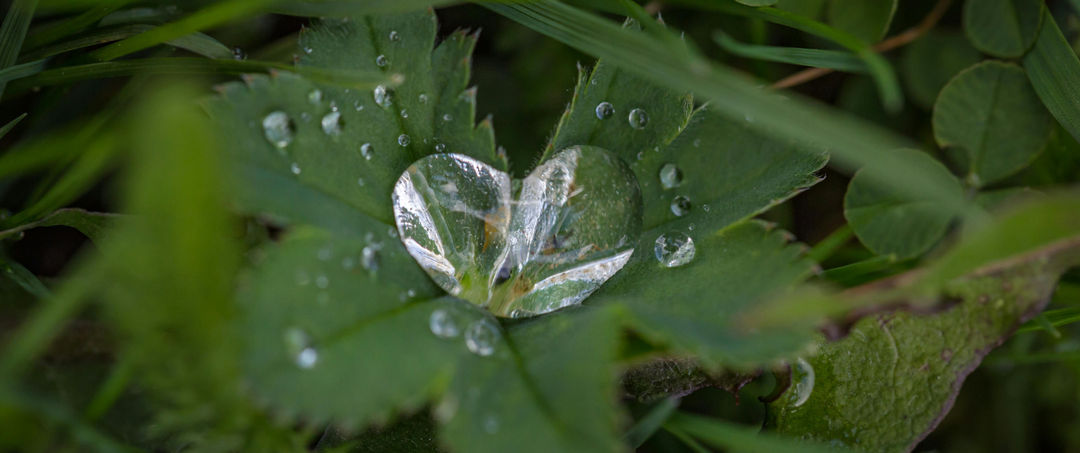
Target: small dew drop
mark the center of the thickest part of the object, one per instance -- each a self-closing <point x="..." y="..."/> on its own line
<point x="674" y="249"/>
<point x="491" y="424"/>
<point x="295" y="168"/>
<point x="369" y="257"/>
<point x="357" y="105"/>
<point x="315" y="96"/>
<point x="348" y="263"/>
<point x="238" y="54"/>
<point x="360" y="181"/>
<point x="394" y="36"/>
<point x="670" y="176"/>
<point x="322" y="281"/>
<point x="383" y="97"/>
<point x="705" y="207"/>
<point x="306" y="117"/>
<point x="480" y="337"/>
<point x="604" y="110"/>
<point x="331" y="123"/>
<point x="381" y="61"/>
<point x="442" y="324"/>
<point x="440" y="147"/>
<point x="638" y="119"/>
<point x="367" y="151"/>
<point x="298" y="345"/>
<point x="447" y="117"/>
<point x="680" y="205"/>
<point x="404" y="113"/>
<point x="403" y="140"/>
<point x="324" y="254"/>
<point x="802" y="374"/>
<point x="308" y="50"/>
<point x="278" y="129"/>
<point x="422" y="98"/>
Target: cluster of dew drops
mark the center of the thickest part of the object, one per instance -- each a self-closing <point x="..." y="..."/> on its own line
<point x="675" y="248"/>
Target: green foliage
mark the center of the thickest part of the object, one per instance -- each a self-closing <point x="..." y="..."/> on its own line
<point x="866" y="19"/>
<point x="1002" y="28"/>
<point x="991" y="120"/>
<point x="931" y="61"/>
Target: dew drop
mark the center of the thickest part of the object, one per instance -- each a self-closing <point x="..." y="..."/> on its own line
<point x="480" y="337"/>
<point x="403" y="140"/>
<point x="357" y="105"/>
<point x="491" y="424"/>
<point x="705" y="207"/>
<point x="299" y="347"/>
<point x="442" y="324"/>
<point x="446" y="409"/>
<point x="315" y="96"/>
<point x="306" y="117"/>
<point x="422" y="98"/>
<point x="278" y="129"/>
<point x="394" y="36"/>
<point x="638" y="119"/>
<point x="360" y="181"/>
<point x="440" y="147"/>
<point x="322" y="281"/>
<point x="383" y="97"/>
<point x="670" y="176"/>
<point x="604" y="110"/>
<point x="404" y="113"/>
<point x="308" y="50"/>
<point x="680" y="205"/>
<point x="324" y="254"/>
<point x="447" y="117"/>
<point x="674" y="249"/>
<point x="369" y="257"/>
<point x="238" y="54"/>
<point x="295" y="168"/>
<point x="381" y="61"/>
<point x="802" y="374"/>
<point x="367" y="151"/>
<point x="331" y="123"/>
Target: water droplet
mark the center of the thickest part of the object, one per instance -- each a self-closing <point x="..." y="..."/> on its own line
<point x="404" y="113"/>
<point x="403" y="140"/>
<point x="674" y="249"/>
<point x="680" y="205"/>
<point x="481" y="336"/>
<point x="604" y="110"/>
<point x="308" y="50"/>
<point x="670" y="176"/>
<point x="331" y="123"/>
<point x="394" y="36"/>
<point x="360" y="181"/>
<point x="298" y="345"/>
<point x="638" y="119"/>
<point x="697" y="143"/>
<point x="443" y="324"/>
<point x="357" y="105"/>
<point x="381" y="61"/>
<point x="423" y="98"/>
<point x="367" y="151"/>
<point x="440" y="147"/>
<point x="802" y="376"/>
<point x="322" y="281"/>
<point x="705" y="207"/>
<point x="383" y="97"/>
<point x="447" y="117"/>
<point x="640" y="155"/>
<point x="491" y="424"/>
<point x="278" y="129"/>
<point x="295" y="168"/>
<point x="369" y="257"/>
<point x="446" y="409"/>
<point x="238" y="54"/>
<point x="315" y="96"/>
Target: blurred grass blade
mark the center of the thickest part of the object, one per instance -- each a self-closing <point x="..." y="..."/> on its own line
<point x="81" y="432"/>
<point x="831" y="244"/>
<point x="56" y="147"/>
<point x="652" y="421"/>
<point x="688" y="441"/>
<point x="52" y="32"/>
<point x="20" y="71"/>
<point x="11" y="125"/>
<point x="25" y="279"/>
<point x="346" y="8"/>
<point x="1054" y="71"/>
<point x="1055" y="318"/>
<point x="888" y="85"/>
<point x="13" y="32"/>
<point x="203" y="19"/>
<point x="817" y="58"/>
<point x="198" y="66"/>
<point x="92" y="224"/>
<point x="852" y="142"/>
<point x="732" y="437"/>
<point x="198" y="43"/>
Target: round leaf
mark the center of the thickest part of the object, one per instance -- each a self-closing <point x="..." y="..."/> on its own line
<point x="866" y="19"/>
<point x="1002" y="28"/>
<point x="929" y="63"/>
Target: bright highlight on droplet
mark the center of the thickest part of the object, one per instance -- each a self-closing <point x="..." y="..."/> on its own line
<point x="674" y="249"/>
<point x="331" y="123"/>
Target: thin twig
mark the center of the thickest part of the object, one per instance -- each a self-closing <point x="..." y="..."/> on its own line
<point x="899" y="40"/>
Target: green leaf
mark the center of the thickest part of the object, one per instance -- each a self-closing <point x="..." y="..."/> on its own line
<point x="732" y="437"/>
<point x="346" y="301"/>
<point x="867" y="19"/>
<point x="1054" y="71"/>
<point x="1002" y="28"/>
<point x="991" y="120"/>
<point x="890" y="223"/>
<point x="832" y="59"/>
<point x="808" y="8"/>
<point x="891" y="381"/>
<point x="549" y="383"/>
<point x="931" y="61"/>
<point x="670" y="306"/>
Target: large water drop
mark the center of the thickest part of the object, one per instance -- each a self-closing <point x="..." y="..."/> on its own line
<point x="670" y="176"/>
<point x="331" y="123"/>
<point x="278" y="129"/>
<point x="604" y="110"/>
<point x="442" y="324"/>
<point x="481" y="337"/>
<point x="638" y="119"/>
<point x="802" y="377"/>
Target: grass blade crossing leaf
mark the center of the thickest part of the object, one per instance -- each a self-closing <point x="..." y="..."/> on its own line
<point x="1054" y="71"/>
<point x="818" y="58"/>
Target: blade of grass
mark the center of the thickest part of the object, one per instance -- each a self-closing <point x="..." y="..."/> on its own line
<point x="345" y="8"/>
<point x="81" y="432"/>
<point x="11" y="125"/>
<point x="828" y="246"/>
<point x="652" y="421"/>
<point x="92" y="224"/>
<point x="203" y="19"/>
<point x="690" y="443"/>
<point x="818" y="58"/>
<point x="740" y="438"/>
<point x="52" y="32"/>
<point x="25" y="279"/>
<point x="198" y="43"/>
<point x="198" y="66"/>
<point x="111" y="389"/>
<point x="1054" y="71"/>
<point x="852" y="142"/>
<point x="1053" y="319"/>
<point x="13" y="32"/>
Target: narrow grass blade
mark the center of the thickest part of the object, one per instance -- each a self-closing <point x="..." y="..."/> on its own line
<point x="198" y="43"/>
<point x="853" y="143"/>
<point x="818" y="58"/>
<point x="722" y="434"/>
<point x="11" y="125"/>
<point x="1054" y="71"/>
<point x="13" y="32"/>
<point x="343" y="8"/>
<point x="92" y="224"/>
<point x="652" y="421"/>
<point x="55" y="31"/>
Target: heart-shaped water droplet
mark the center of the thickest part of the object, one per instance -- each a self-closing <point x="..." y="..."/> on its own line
<point x="520" y="248"/>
